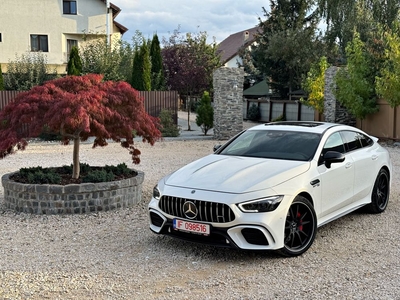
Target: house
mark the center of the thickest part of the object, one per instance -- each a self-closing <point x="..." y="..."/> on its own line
<point x="54" y="27"/>
<point x="229" y="47"/>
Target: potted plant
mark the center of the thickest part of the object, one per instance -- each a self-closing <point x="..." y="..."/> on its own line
<point x="79" y="108"/>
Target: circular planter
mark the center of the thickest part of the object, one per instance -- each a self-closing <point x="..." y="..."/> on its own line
<point x="73" y="198"/>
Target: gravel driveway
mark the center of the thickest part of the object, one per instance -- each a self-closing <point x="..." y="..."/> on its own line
<point x="113" y="255"/>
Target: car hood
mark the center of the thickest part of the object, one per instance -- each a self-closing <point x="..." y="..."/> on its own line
<point x="233" y="174"/>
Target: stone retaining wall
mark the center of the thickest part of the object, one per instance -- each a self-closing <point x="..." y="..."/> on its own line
<point x="72" y="198"/>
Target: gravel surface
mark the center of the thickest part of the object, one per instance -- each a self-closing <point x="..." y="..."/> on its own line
<point x="114" y="255"/>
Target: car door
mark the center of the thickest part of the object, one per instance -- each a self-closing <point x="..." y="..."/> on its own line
<point x="359" y="147"/>
<point x="337" y="181"/>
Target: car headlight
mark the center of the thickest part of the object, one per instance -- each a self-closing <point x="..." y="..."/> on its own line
<point x="261" y="205"/>
<point x="156" y="193"/>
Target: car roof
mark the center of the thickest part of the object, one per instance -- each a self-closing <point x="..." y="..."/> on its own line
<point x="304" y="126"/>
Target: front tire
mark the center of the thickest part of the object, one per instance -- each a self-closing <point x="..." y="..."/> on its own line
<point x="300" y="227"/>
<point x="380" y="193"/>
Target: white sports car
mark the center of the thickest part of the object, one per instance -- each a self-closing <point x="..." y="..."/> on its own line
<point x="271" y="186"/>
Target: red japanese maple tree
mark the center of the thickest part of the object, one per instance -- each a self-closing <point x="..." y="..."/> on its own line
<point x="78" y="107"/>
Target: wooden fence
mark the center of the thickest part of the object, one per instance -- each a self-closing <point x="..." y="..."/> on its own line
<point x="154" y="101"/>
<point x="273" y="109"/>
<point x="384" y="123"/>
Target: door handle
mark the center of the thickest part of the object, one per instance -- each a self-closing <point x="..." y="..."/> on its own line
<point x="374" y="157"/>
<point x="348" y="165"/>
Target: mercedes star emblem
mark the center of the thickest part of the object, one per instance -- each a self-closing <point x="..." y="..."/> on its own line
<point x="190" y="210"/>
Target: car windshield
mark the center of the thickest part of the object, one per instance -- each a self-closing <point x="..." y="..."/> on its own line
<point x="275" y="144"/>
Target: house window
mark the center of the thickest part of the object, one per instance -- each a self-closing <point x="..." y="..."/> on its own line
<point x="69" y="7"/>
<point x="0" y="38"/>
<point x="39" y="43"/>
<point x="70" y="44"/>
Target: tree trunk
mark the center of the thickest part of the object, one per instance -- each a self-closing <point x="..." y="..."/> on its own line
<point x="188" y="102"/>
<point x="76" y="166"/>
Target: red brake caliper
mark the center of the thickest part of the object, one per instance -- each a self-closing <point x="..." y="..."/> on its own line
<point x="300" y="223"/>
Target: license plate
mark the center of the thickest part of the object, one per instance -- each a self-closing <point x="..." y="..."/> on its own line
<point x="198" y="228"/>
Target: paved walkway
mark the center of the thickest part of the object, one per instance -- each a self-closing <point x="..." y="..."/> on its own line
<point x="195" y="132"/>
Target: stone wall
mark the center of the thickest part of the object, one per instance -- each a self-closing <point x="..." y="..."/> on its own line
<point x="228" y="102"/>
<point x="72" y="198"/>
<point x="334" y="112"/>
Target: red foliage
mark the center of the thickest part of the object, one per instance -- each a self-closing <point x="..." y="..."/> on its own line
<point x="78" y="106"/>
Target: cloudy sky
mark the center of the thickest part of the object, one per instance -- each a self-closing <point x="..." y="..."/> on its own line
<point x="219" y="18"/>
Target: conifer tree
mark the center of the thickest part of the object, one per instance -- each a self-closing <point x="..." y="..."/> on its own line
<point x="74" y="66"/>
<point x="205" y="113"/>
<point x="157" y="73"/>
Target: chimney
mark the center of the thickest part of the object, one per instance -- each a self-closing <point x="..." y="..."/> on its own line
<point x="245" y="36"/>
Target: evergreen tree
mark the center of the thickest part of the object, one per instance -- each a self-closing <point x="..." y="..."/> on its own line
<point x="1" y="80"/>
<point x="205" y="113"/>
<point x="74" y="66"/>
<point x="145" y="67"/>
<point x="141" y="73"/>
<point x="136" y="73"/>
<point x="157" y="73"/>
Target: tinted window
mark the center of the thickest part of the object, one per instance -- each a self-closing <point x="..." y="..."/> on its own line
<point x="351" y="140"/>
<point x="333" y="143"/>
<point x="274" y="144"/>
<point x="365" y="140"/>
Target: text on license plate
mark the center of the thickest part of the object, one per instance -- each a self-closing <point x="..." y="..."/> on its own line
<point x="198" y="228"/>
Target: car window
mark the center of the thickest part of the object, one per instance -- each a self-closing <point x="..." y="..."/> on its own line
<point x="333" y="143"/>
<point x="365" y="140"/>
<point x="351" y="140"/>
<point x="274" y="144"/>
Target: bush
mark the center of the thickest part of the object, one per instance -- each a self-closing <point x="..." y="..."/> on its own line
<point x="39" y="175"/>
<point x="98" y="176"/>
<point x="205" y="113"/>
<point x="253" y="113"/>
<point x="168" y="127"/>
<point x="27" y="71"/>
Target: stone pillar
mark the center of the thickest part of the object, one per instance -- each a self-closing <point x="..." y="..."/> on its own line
<point x="334" y="112"/>
<point x="228" y="102"/>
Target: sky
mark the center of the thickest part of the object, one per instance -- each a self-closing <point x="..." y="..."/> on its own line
<point x="219" y="18"/>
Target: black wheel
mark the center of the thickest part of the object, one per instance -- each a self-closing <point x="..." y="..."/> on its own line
<point x="380" y="193"/>
<point x="300" y="227"/>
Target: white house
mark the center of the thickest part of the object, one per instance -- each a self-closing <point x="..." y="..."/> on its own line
<point x="54" y="27"/>
<point x="229" y="47"/>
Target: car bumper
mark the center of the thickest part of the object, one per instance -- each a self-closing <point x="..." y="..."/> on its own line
<point x="249" y="231"/>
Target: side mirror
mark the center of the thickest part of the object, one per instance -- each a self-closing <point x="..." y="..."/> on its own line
<point x="216" y="147"/>
<point x="331" y="157"/>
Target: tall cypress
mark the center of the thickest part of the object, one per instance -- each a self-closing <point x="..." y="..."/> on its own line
<point x="145" y="67"/>
<point x="157" y="73"/>
<point x="136" y="72"/>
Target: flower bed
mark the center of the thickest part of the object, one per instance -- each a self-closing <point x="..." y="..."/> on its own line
<point x="72" y="198"/>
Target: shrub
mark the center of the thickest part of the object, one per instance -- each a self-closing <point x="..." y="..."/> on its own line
<point x="26" y="71"/>
<point x="39" y="175"/>
<point x="253" y="113"/>
<point x="168" y="127"/>
<point x="98" y="176"/>
<point x="205" y="113"/>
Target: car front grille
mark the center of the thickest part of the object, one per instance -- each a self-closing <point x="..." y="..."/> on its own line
<point x="206" y="211"/>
